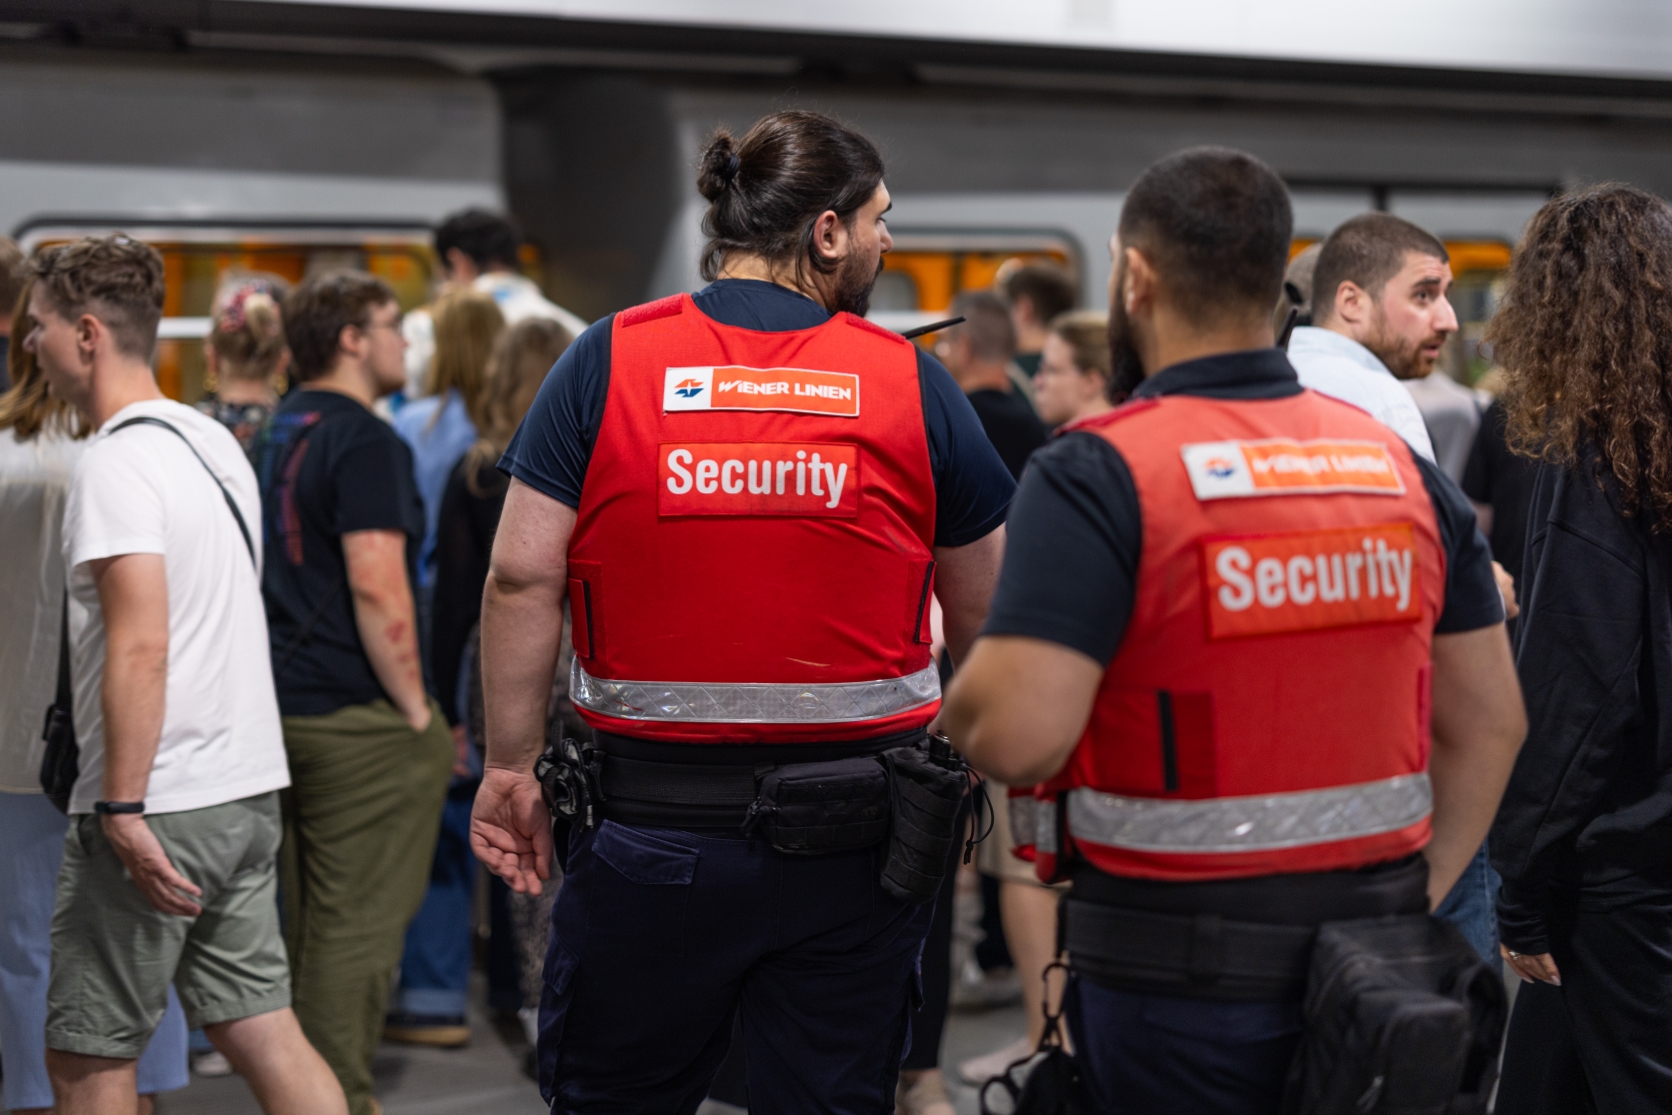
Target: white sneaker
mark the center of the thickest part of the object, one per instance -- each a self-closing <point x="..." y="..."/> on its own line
<point x="978" y="1070"/>
<point x="213" y="1063"/>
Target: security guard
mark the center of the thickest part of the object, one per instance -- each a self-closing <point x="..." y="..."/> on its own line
<point x="1252" y="647"/>
<point x="747" y="497"/>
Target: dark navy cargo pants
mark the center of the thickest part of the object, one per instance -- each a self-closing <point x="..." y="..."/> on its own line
<point x="660" y="937"/>
<point x="1168" y="1055"/>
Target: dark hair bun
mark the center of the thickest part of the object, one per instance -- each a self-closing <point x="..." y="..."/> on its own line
<point x="718" y="166"/>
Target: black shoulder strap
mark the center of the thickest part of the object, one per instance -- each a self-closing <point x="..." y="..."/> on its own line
<point x="147" y="420"/>
<point x="65" y="698"/>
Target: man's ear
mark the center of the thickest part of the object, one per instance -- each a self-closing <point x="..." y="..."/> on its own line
<point x="1352" y="303"/>
<point x="351" y="341"/>
<point x="89" y="333"/>
<point x="830" y="235"/>
<point x="1142" y="283"/>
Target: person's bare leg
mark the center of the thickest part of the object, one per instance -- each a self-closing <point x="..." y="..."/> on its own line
<point x="287" y="1075"/>
<point x="147" y="1104"/>
<point x="83" y="1085"/>
<point x="1029" y="913"/>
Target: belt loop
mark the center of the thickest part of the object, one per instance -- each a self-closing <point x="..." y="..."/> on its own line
<point x="1205" y="962"/>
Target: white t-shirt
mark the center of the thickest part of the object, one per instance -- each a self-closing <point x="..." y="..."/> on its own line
<point x="141" y="491"/>
<point x="34" y="481"/>
<point x="1341" y="368"/>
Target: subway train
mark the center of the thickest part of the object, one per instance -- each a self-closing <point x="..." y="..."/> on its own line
<point x="297" y="142"/>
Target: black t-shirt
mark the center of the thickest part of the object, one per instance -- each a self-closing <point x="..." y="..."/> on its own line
<point x="327" y="466"/>
<point x="1504" y="482"/>
<point x="553" y="446"/>
<point x="1011" y="425"/>
<point x="470" y="510"/>
<point x="1071" y="558"/>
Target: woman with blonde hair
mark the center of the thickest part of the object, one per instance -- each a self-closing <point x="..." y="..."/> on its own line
<point x="245" y="354"/>
<point x="40" y="442"/>
<point x="435" y="971"/>
<point x="1074" y="368"/>
<point x="441" y="426"/>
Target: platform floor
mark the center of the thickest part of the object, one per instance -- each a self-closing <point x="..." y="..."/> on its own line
<point x="486" y="1076"/>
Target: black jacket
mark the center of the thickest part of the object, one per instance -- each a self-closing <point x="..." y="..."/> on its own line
<point x="1587" y="818"/>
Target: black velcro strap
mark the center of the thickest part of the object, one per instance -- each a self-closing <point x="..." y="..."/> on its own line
<point x="1202" y="954"/>
<point x="678" y="783"/>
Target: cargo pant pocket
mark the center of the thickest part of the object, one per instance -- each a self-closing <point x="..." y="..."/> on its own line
<point x="641" y="891"/>
<point x="557" y="991"/>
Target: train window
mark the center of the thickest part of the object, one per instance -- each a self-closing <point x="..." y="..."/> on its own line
<point x="196" y="259"/>
<point x="925" y="272"/>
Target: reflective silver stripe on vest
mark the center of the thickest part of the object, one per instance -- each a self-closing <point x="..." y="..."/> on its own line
<point x="1045" y="835"/>
<point x="1250" y="824"/>
<point x="709" y="703"/>
<point x="1024" y="821"/>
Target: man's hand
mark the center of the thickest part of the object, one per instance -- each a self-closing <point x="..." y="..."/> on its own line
<point x="1506" y="589"/>
<point x="1541" y="967"/>
<point x="510" y="829"/>
<point x="142" y="854"/>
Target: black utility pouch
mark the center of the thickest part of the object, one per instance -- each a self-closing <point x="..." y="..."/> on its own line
<point x="1402" y="1018"/>
<point x="818" y="809"/>
<point x="926" y="789"/>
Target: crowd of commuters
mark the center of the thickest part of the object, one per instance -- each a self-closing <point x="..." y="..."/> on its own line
<point x="308" y="672"/>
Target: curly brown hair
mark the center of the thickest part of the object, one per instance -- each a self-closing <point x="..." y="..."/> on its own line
<point x="1584" y="333"/>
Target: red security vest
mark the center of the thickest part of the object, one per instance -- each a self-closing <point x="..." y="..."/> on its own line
<point x="752" y="560"/>
<point x="1267" y="711"/>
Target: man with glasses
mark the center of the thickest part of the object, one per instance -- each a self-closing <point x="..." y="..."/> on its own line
<point x="369" y="750"/>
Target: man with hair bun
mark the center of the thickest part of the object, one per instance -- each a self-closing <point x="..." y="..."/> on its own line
<point x="1221" y="610"/>
<point x="744" y="497"/>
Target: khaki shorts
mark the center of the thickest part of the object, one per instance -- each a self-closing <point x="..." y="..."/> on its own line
<point x="993" y="855"/>
<point x="113" y="955"/>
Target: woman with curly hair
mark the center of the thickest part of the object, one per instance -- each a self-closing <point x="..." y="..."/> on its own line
<point x="1584" y="836"/>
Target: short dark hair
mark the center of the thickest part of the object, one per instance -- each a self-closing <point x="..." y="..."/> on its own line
<point x="317" y="312"/>
<point x="1366" y="251"/>
<point x="489" y="239"/>
<point x="1046" y="286"/>
<point x="987" y="325"/>
<point x="1216" y="223"/>
<point x="116" y="279"/>
<point x="767" y="189"/>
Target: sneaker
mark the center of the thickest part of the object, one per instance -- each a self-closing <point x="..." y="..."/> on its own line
<point x="212" y="1063"/>
<point x="978" y="1070"/>
<point x="975" y="989"/>
<point x="924" y="1094"/>
<point x="450" y="1031"/>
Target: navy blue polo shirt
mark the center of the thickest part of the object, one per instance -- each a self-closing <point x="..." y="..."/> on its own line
<point x="552" y="447"/>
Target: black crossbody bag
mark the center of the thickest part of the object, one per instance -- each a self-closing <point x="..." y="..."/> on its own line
<point x="61" y="761"/>
<point x="1402" y="1018"/>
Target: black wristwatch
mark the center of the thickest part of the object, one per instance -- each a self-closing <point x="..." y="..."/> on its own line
<point x="119" y="807"/>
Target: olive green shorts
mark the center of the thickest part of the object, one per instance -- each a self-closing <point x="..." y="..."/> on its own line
<point x="113" y="955"/>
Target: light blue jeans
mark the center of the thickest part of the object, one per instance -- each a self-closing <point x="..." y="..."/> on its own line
<point x="31" y="850"/>
<point x="1472" y="906"/>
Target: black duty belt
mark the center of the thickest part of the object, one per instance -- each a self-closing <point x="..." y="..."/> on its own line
<point x="1201" y="954"/>
<point x="704" y="785"/>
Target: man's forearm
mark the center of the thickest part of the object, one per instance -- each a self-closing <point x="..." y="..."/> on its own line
<point x="1468" y="783"/>
<point x="385" y="617"/>
<point x="390" y="636"/>
<point x="133" y="697"/>
<point x="521" y="624"/>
